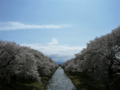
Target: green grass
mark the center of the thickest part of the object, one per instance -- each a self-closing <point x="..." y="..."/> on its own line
<point x="19" y="85"/>
<point x="23" y="84"/>
<point x="84" y="82"/>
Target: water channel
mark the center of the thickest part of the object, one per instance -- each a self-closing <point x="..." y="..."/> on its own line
<point x="59" y="81"/>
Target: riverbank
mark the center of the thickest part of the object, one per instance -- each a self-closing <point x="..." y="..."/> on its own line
<point x="84" y="82"/>
<point x="23" y="84"/>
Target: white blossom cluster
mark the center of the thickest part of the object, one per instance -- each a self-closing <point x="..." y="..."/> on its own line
<point x="23" y="62"/>
<point x="98" y="58"/>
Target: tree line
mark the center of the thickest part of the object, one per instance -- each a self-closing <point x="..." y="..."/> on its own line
<point x="99" y="59"/>
<point x="23" y="62"/>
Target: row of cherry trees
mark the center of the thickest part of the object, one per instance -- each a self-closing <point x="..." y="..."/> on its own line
<point x="23" y="62"/>
<point x="99" y="57"/>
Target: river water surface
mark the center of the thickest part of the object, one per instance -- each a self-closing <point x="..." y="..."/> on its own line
<point x="59" y="81"/>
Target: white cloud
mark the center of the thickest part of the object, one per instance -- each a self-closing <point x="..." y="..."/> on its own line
<point x="56" y="51"/>
<point x="54" y="41"/>
<point x="18" y="25"/>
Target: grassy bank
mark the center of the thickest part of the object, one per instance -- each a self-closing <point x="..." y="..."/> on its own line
<point x="23" y="84"/>
<point x="84" y="82"/>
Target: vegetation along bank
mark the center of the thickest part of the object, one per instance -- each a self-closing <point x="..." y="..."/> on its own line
<point x="98" y="65"/>
<point x="23" y="67"/>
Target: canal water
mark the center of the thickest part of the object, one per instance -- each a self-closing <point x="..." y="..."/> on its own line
<point x="59" y="81"/>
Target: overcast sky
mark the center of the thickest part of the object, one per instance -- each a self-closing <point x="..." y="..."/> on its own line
<point x="58" y="28"/>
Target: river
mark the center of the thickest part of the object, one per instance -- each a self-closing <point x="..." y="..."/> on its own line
<point x="59" y="81"/>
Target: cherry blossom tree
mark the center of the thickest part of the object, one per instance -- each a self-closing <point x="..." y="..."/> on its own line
<point x="98" y="58"/>
<point x="23" y="62"/>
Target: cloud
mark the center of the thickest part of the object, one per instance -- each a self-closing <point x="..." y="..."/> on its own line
<point x="54" y="41"/>
<point x="55" y="51"/>
<point x="18" y="25"/>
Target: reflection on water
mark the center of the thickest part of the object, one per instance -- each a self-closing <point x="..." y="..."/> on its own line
<point x="60" y="81"/>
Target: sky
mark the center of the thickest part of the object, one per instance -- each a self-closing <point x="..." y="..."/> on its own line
<point x="57" y="28"/>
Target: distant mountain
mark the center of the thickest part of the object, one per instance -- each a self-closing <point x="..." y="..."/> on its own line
<point x="59" y="63"/>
